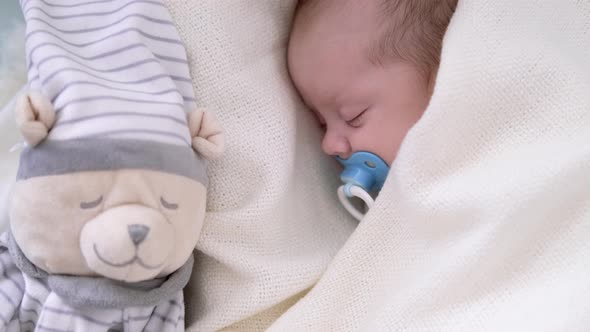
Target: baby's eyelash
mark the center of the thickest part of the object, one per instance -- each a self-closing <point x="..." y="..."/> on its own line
<point x="355" y="121"/>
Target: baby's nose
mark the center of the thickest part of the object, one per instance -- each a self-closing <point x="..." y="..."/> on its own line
<point x="335" y="145"/>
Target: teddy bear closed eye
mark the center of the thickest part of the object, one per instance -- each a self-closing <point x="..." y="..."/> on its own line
<point x="111" y="188"/>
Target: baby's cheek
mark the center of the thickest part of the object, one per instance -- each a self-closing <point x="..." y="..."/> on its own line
<point x="381" y="140"/>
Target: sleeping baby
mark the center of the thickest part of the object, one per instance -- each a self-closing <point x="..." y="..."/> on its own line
<point x="367" y="68"/>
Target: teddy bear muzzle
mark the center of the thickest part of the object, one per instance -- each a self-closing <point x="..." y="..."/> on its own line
<point x="129" y="243"/>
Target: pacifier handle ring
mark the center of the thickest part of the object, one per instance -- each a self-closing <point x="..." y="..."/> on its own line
<point x="354" y="191"/>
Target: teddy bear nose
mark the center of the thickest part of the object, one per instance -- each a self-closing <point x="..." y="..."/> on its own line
<point x="137" y="233"/>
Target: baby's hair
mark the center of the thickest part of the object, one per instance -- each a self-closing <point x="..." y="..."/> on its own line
<point x="413" y="30"/>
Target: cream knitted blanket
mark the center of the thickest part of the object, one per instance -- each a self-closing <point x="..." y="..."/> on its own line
<point x="483" y="224"/>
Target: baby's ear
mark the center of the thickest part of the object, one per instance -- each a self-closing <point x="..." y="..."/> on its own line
<point x="35" y="116"/>
<point x="206" y="133"/>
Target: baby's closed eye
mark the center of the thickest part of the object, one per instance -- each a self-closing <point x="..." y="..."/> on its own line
<point x="357" y="120"/>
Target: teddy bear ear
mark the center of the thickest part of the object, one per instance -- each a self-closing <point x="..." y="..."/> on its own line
<point x="35" y="116"/>
<point x="206" y="134"/>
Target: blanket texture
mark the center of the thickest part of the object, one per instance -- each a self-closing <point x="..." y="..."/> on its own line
<point x="483" y="224"/>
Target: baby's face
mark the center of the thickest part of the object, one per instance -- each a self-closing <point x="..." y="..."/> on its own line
<point x="363" y="107"/>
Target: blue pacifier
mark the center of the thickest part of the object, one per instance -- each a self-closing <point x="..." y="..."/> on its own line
<point x="364" y="169"/>
<point x="364" y="173"/>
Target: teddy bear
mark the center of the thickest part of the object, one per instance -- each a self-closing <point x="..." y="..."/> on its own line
<point x="111" y="187"/>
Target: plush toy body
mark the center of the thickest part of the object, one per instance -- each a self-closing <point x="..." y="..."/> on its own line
<point x="35" y="301"/>
<point x="110" y="196"/>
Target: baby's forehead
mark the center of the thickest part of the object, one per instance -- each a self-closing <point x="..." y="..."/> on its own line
<point x="359" y="24"/>
<point x="329" y="44"/>
<point x="390" y="30"/>
<point x="319" y="23"/>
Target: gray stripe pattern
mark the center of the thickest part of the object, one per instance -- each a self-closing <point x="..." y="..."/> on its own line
<point x="145" y="17"/>
<point x="60" y="108"/>
<point x="35" y="308"/>
<point x="143" y="80"/>
<point x="115" y="34"/>
<point x="112" y="62"/>
<point x="68" y="5"/>
<point x="110" y="87"/>
<point x="98" y="56"/>
<point x="107" y="13"/>
<point x="107" y="70"/>
<point x="110" y="70"/>
<point x="54" y="57"/>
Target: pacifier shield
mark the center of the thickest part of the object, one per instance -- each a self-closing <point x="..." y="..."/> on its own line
<point x="364" y="169"/>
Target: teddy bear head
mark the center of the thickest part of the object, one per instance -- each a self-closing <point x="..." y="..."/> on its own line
<point x="125" y="209"/>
